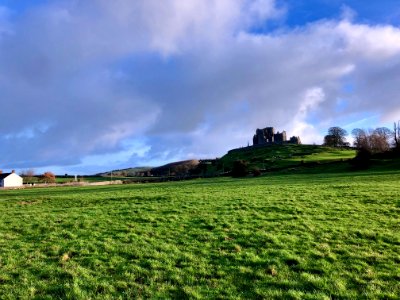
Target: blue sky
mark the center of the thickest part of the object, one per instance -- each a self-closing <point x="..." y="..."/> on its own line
<point x="87" y="86"/>
<point x="299" y="13"/>
<point x="373" y="12"/>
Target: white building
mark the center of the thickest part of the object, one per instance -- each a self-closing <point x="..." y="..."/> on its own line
<point x="10" y="180"/>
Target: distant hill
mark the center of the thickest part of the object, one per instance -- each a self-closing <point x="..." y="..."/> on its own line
<point x="129" y="172"/>
<point x="175" y="168"/>
<point x="171" y="169"/>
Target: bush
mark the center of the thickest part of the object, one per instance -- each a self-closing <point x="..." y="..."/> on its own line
<point x="239" y="168"/>
<point x="48" y="177"/>
<point x="362" y="160"/>
<point x="256" y="172"/>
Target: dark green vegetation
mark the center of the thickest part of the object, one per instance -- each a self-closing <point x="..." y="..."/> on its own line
<point x="320" y="236"/>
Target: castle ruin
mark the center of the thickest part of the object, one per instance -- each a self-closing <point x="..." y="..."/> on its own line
<point x="267" y="136"/>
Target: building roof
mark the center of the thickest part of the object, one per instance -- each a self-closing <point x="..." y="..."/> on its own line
<point x="4" y="175"/>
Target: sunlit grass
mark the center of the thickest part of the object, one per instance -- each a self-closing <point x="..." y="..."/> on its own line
<point x="278" y="156"/>
<point x="330" y="236"/>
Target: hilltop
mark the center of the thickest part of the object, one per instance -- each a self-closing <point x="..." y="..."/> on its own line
<point x="175" y="168"/>
<point x="129" y="172"/>
<point x="274" y="157"/>
<point x="170" y="169"/>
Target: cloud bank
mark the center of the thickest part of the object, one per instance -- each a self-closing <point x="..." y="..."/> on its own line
<point x="173" y="80"/>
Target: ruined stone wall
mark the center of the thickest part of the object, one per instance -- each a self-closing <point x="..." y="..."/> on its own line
<point x="280" y="137"/>
<point x="295" y="140"/>
<point x="267" y="136"/>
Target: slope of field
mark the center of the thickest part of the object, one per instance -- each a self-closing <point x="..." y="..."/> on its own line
<point x="179" y="167"/>
<point x="125" y="172"/>
<point x="170" y="169"/>
<point x="327" y="236"/>
<point x="281" y="156"/>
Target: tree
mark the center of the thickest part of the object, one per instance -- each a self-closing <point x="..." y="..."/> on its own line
<point x="372" y="141"/>
<point x="384" y="132"/>
<point x="28" y="175"/>
<point x="48" y="177"/>
<point x="396" y="135"/>
<point x="329" y="140"/>
<point x="380" y="140"/>
<point x="336" y="137"/>
<point x="360" y="138"/>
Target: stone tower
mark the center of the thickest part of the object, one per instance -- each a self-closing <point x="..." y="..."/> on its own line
<point x="267" y="136"/>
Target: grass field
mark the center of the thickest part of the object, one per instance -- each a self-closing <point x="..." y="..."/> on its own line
<point x="61" y="179"/>
<point x="281" y="156"/>
<point x="290" y="236"/>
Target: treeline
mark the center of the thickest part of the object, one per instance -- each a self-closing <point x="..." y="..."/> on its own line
<point x="376" y="140"/>
<point x="30" y="177"/>
<point x="379" y="142"/>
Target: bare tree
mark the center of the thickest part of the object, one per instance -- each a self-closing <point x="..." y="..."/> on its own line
<point x="360" y="138"/>
<point x="373" y="141"/>
<point x="380" y="139"/>
<point x="396" y="135"/>
<point x="28" y="175"/>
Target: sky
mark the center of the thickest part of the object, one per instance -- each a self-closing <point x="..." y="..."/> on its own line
<point x="89" y="86"/>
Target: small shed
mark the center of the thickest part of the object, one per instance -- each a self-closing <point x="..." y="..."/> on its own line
<point x="10" y="180"/>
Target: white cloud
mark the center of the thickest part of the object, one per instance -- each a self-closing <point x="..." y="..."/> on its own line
<point x="190" y="76"/>
<point x="299" y="126"/>
<point x="370" y="42"/>
<point x="5" y="26"/>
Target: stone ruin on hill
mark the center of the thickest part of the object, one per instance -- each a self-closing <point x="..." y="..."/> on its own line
<point x="267" y="136"/>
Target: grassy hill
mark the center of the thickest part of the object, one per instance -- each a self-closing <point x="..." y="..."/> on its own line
<point x="170" y="169"/>
<point x="267" y="158"/>
<point x="137" y="171"/>
<point x="175" y="168"/>
<point x="272" y="158"/>
<point x="285" y="156"/>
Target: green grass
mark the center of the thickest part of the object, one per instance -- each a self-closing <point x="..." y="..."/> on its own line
<point x="290" y="236"/>
<point x="62" y="179"/>
<point x="281" y="156"/>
